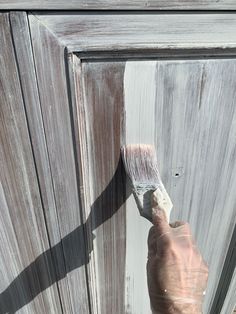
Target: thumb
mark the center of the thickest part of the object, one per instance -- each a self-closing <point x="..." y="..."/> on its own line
<point x="160" y="211"/>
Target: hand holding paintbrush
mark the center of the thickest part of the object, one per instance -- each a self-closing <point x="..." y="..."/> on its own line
<point x="176" y="272"/>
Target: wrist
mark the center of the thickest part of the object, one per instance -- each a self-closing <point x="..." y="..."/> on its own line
<point x="172" y="308"/>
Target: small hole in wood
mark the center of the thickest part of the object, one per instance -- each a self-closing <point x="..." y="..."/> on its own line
<point x="177" y="174"/>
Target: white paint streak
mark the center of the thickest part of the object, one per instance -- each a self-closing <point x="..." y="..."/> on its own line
<point x="140" y="91"/>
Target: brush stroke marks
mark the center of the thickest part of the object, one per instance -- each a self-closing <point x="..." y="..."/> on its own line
<point x="139" y="99"/>
<point x="100" y="118"/>
<point x="200" y="141"/>
<point x="23" y="232"/>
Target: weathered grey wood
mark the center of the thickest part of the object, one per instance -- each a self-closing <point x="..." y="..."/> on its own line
<point x="117" y="5"/>
<point x="22" y="226"/>
<point x="225" y="296"/>
<point x="196" y="113"/>
<point x="140" y="32"/>
<point x="229" y="305"/>
<point x="99" y="115"/>
<point x="24" y="56"/>
<point x="51" y="72"/>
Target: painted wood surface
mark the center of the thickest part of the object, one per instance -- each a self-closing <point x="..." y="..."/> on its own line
<point x="191" y="104"/>
<point x="117" y="5"/>
<point x="23" y="231"/>
<point x="24" y="56"/>
<point x="100" y="122"/>
<point x="52" y="74"/>
<point x="87" y="214"/>
<point x="97" y="258"/>
<point x="139" y="32"/>
<point x="139" y="101"/>
<point x="195" y="140"/>
<point x="227" y="279"/>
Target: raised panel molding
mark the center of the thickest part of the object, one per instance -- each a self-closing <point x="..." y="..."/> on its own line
<point x="138" y="34"/>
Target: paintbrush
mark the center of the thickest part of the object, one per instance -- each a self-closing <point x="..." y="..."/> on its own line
<point x="140" y="163"/>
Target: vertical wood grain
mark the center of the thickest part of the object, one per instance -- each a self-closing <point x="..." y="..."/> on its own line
<point x="23" y="231"/>
<point x="191" y="104"/>
<point x="186" y="107"/>
<point x="229" y="305"/>
<point x="50" y="61"/>
<point x="100" y="126"/>
<point x="195" y="140"/>
<point x="24" y="56"/>
<point x="225" y="296"/>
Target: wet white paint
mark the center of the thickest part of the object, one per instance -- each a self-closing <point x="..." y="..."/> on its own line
<point x="139" y="99"/>
<point x="140" y="94"/>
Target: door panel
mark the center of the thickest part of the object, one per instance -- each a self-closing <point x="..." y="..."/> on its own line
<point x="186" y="108"/>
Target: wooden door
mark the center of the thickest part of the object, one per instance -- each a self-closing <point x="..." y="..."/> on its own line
<point x="98" y="81"/>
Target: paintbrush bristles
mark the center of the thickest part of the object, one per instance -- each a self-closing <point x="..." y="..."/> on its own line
<point x="141" y="165"/>
<point x="140" y="162"/>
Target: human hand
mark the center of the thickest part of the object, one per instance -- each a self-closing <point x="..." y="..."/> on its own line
<point x="176" y="273"/>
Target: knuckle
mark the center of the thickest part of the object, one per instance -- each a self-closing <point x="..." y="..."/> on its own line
<point x="152" y="230"/>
